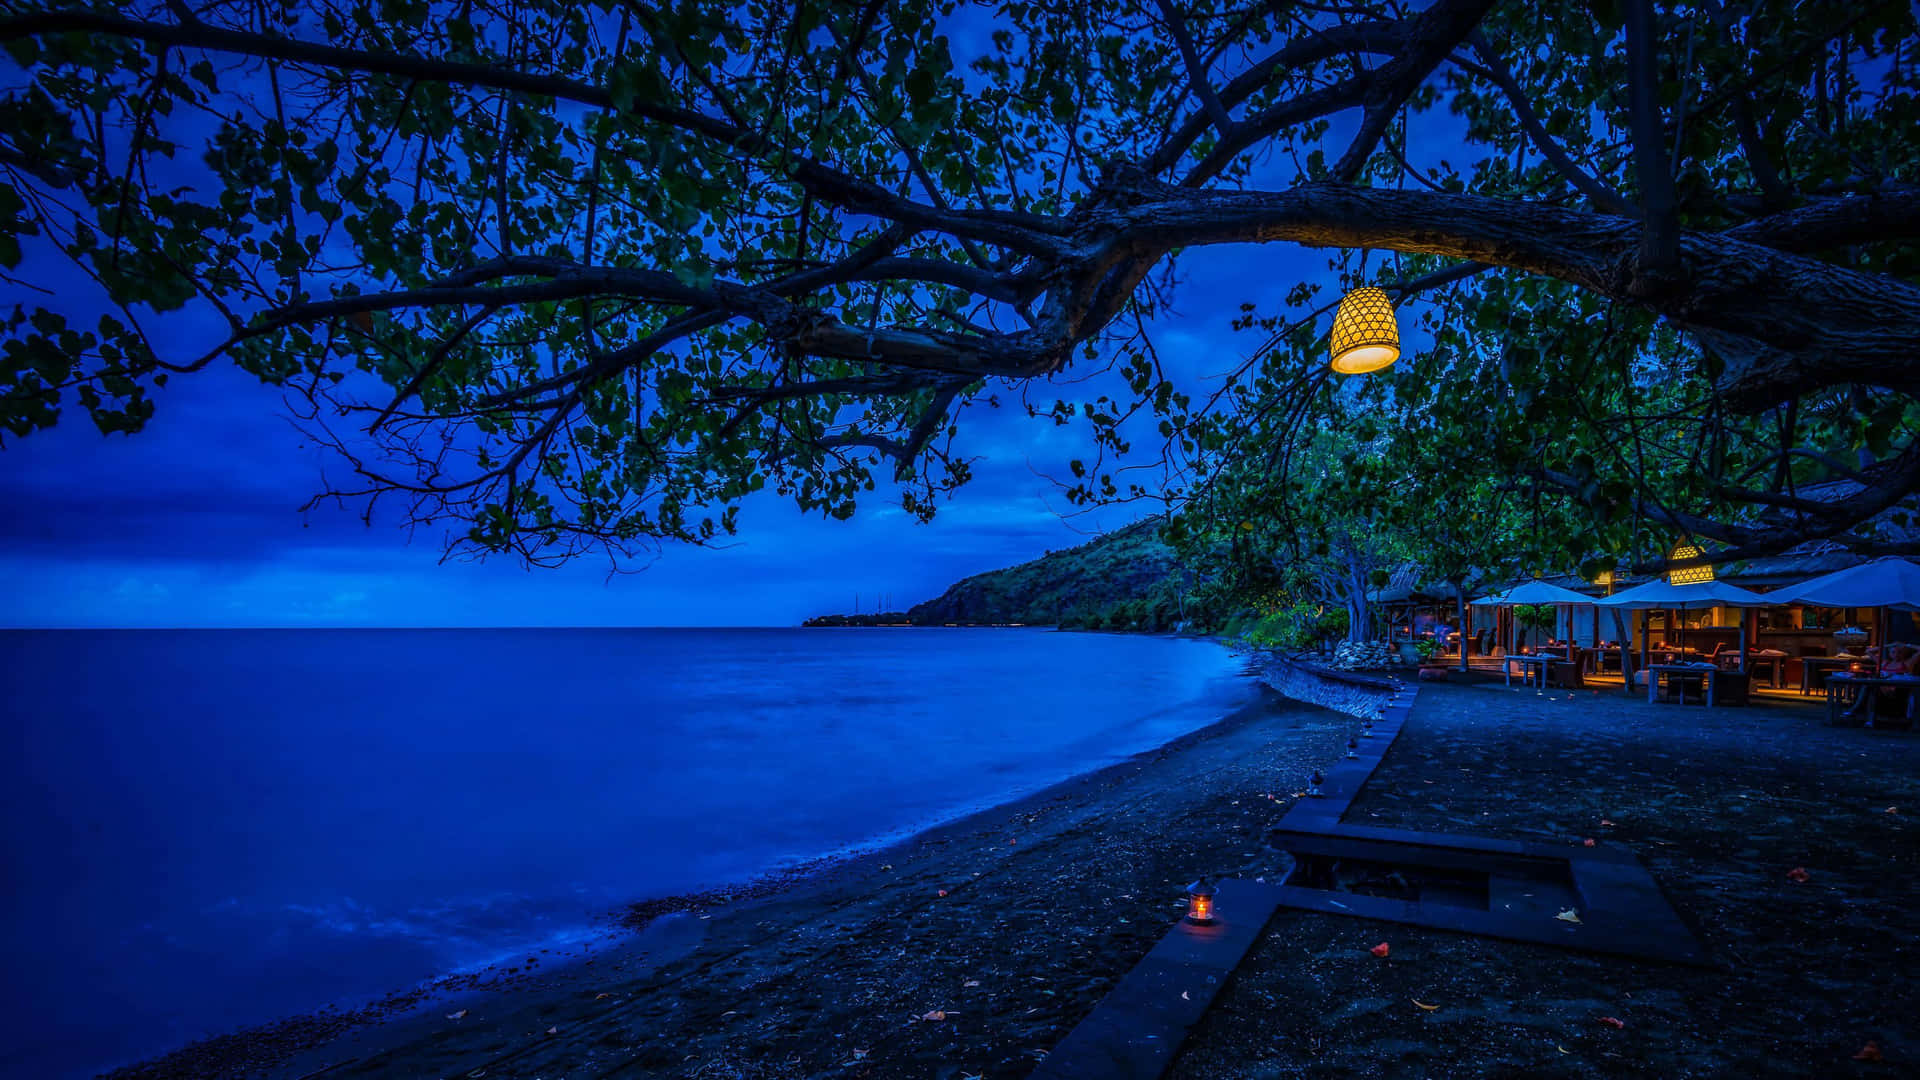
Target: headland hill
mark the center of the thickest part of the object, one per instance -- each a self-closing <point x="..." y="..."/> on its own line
<point x="1128" y="579"/>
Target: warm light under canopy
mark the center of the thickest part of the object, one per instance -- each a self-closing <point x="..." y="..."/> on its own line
<point x="1366" y="336"/>
<point x="1688" y="575"/>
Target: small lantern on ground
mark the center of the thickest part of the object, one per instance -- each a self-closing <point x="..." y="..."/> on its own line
<point x="1366" y="336"/>
<point x="1314" y="782"/>
<point x="1200" y="903"/>
<point x="1366" y="727"/>
<point x="1353" y="747"/>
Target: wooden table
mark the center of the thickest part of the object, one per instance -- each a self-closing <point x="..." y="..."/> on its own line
<point x="1839" y="686"/>
<point x="1598" y="656"/>
<point x="1673" y="655"/>
<point x="1772" y="662"/>
<point x="1810" y="664"/>
<point x="1531" y="668"/>
<point x="1672" y="671"/>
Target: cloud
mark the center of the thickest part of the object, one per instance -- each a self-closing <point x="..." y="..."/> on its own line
<point x="136" y="591"/>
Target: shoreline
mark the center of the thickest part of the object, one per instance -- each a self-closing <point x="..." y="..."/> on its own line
<point x="639" y="938"/>
<point x="902" y="907"/>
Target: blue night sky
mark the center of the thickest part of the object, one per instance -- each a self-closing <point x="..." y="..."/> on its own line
<point x="196" y="521"/>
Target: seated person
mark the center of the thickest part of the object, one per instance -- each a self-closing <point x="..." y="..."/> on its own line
<point x="1899" y="660"/>
<point x="1893" y="703"/>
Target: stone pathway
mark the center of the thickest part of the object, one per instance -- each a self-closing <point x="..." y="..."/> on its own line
<point x="1134" y="1032"/>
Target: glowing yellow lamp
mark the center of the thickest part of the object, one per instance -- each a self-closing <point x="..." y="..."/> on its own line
<point x="1200" y="902"/>
<point x="1688" y="575"/>
<point x="1365" y="335"/>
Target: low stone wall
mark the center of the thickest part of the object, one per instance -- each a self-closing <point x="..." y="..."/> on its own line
<point x="1341" y="691"/>
<point x="1366" y="656"/>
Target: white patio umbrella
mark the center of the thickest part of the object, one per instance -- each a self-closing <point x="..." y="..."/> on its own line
<point x="1660" y="594"/>
<point x="1535" y="592"/>
<point x="1700" y="594"/>
<point x="1889" y="582"/>
<point x="1886" y="582"/>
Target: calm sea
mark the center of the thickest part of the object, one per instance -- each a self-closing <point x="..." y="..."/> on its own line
<point x="205" y="830"/>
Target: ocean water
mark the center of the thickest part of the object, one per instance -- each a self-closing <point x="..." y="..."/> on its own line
<point x="205" y="830"/>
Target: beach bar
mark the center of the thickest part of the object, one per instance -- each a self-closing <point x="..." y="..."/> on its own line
<point x="1784" y="625"/>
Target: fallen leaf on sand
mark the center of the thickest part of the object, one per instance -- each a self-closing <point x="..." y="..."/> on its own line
<point x="457" y="1016"/>
<point x="600" y="995"/>
<point x="1893" y="809"/>
<point x="937" y="1014"/>
<point x="1568" y="915"/>
<point x="1184" y="996"/>
<point x="1588" y="841"/>
<point x="1870" y="1052"/>
<point x="1562" y="1049"/>
<point x="943" y="892"/>
<point x="971" y="982"/>
<point x="1605" y="823"/>
<point x="1424" y="1005"/>
<point x="1799" y="875"/>
<point x="555" y="1030"/>
<point x="1380" y="950"/>
<point x="1613" y="1022"/>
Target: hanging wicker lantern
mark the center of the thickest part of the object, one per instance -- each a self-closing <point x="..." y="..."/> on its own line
<point x="1365" y="335"/>
<point x="1688" y="575"/>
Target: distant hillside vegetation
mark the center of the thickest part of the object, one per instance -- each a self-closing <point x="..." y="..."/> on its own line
<point x="1122" y="581"/>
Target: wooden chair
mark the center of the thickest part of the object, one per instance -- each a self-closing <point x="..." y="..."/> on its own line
<point x="1688" y="685"/>
<point x="1732" y="687"/>
<point x="1566" y="674"/>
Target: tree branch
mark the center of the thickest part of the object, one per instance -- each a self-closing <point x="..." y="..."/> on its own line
<point x="1196" y="71"/>
<point x="1432" y="35"/>
<point x="1892" y="214"/>
<point x="1374" y="36"/>
<point x="1659" y="247"/>
<point x="1021" y="232"/>
<point x="1495" y="71"/>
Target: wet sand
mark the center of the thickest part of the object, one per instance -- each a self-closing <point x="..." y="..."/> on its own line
<point x="968" y="950"/>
